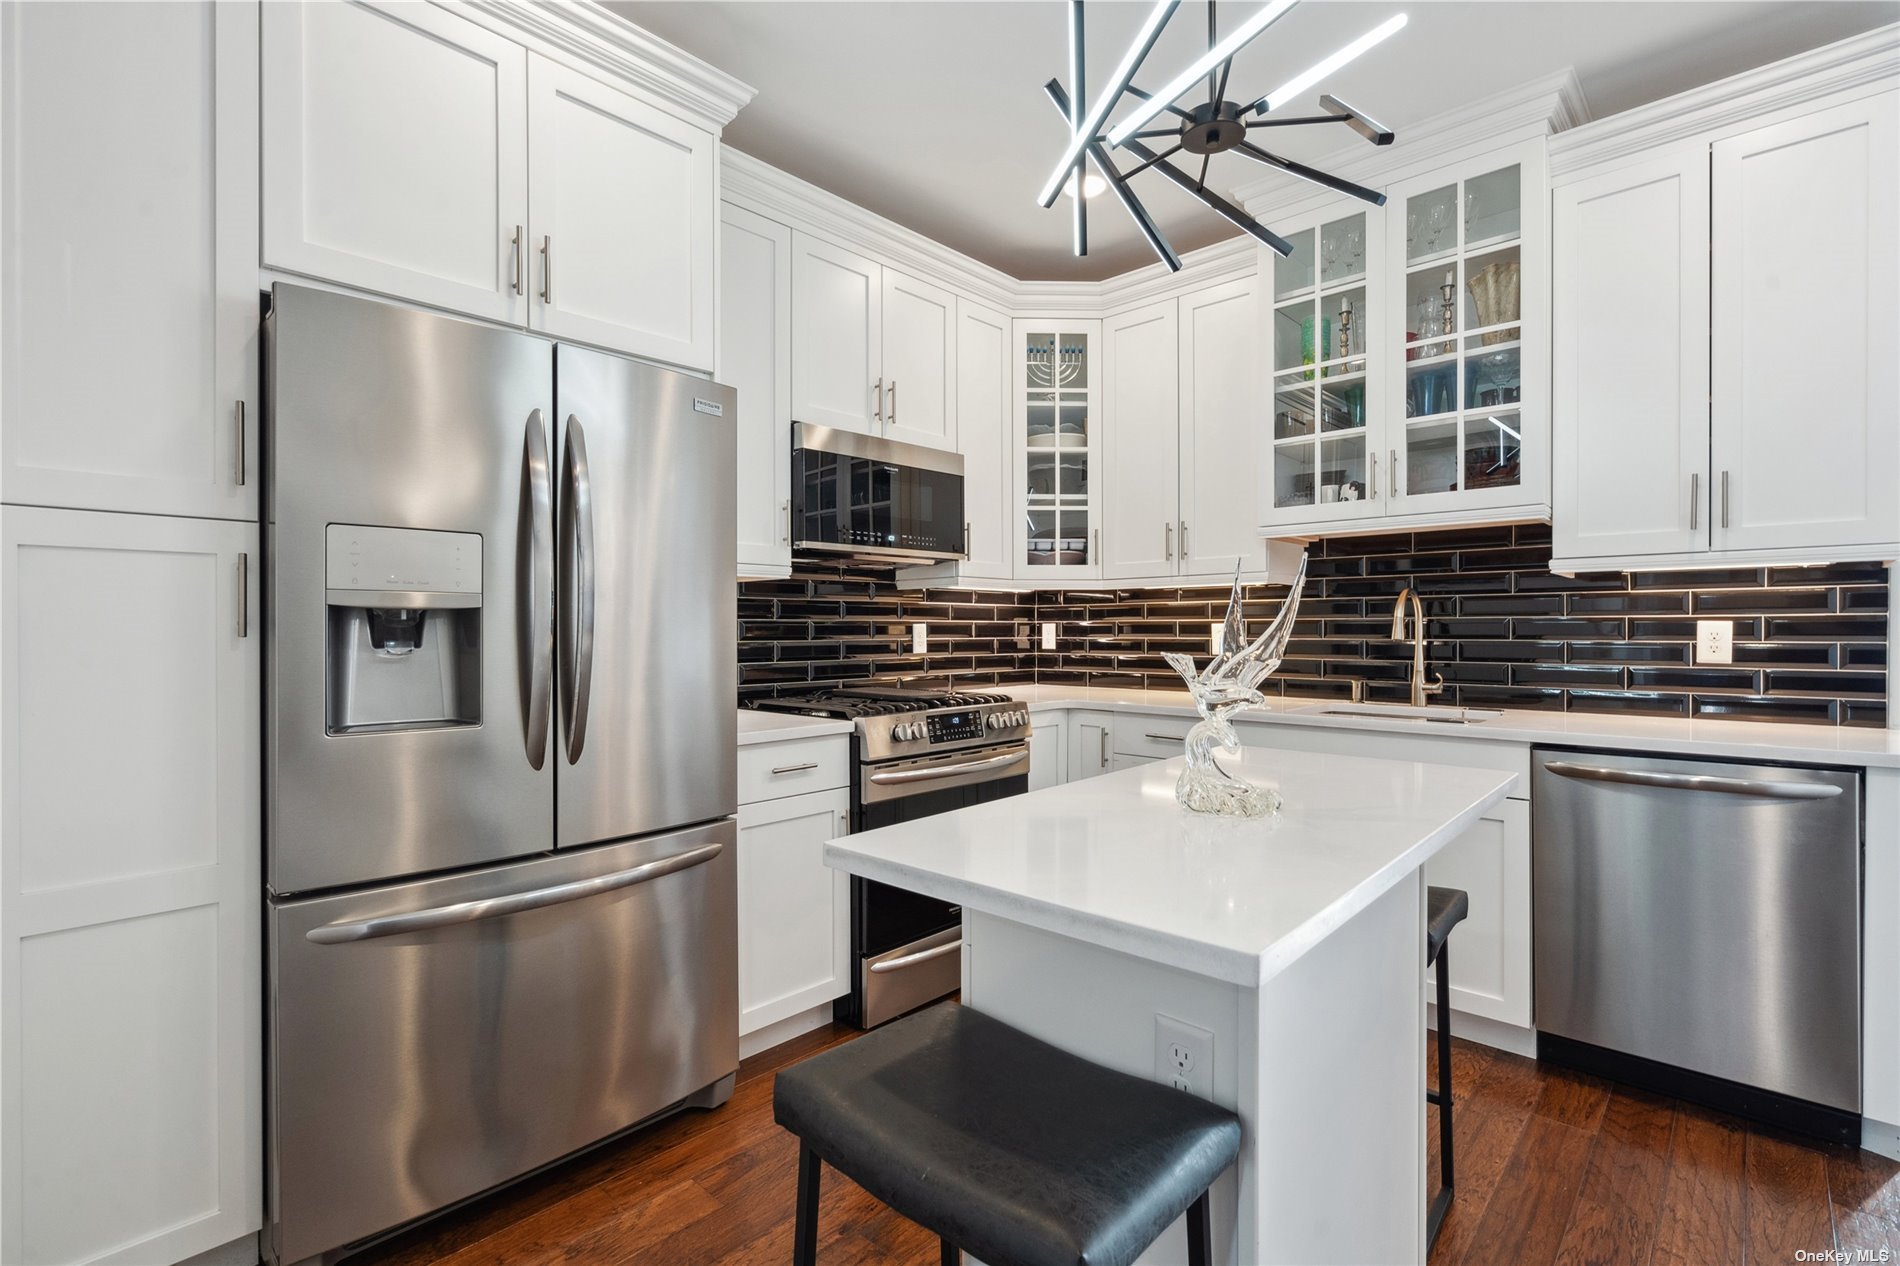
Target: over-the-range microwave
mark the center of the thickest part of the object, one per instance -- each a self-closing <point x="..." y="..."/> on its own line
<point x="863" y="496"/>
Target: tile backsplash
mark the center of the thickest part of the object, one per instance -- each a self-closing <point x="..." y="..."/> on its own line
<point x="1810" y="642"/>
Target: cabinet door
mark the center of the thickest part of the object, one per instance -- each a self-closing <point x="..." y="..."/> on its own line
<point x="1806" y="385"/>
<point x="1223" y="421"/>
<point x="395" y="143"/>
<point x="984" y="438"/>
<point x="129" y="320"/>
<point x="1058" y="453"/>
<point x="755" y="358"/>
<point x="1630" y="361"/>
<point x="130" y="971"/>
<point x="1090" y="740"/>
<point x="1491" y="950"/>
<point x="920" y="348"/>
<point x="1048" y="762"/>
<point x="622" y="217"/>
<point x="1141" y="443"/>
<point x="837" y="337"/>
<point x="794" y="911"/>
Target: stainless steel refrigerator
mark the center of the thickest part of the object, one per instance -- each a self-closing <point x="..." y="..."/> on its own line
<point x="500" y="733"/>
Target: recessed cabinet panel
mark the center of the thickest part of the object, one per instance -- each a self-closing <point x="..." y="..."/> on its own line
<point x="1057" y="376"/>
<point x="1630" y="326"/>
<point x="1491" y="951"/>
<point x="1224" y="418"/>
<point x="128" y="238"/>
<point x="395" y="153"/>
<point x="984" y="437"/>
<point x="755" y="359"/>
<point x="794" y="911"/>
<point x="621" y="207"/>
<point x="837" y="341"/>
<point x="1806" y="388"/>
<point x="919" y="355"/>
<point x="1141" y="443"/>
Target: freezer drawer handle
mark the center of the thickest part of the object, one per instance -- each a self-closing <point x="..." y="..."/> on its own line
<point x="911" y="960"/>
<point x="516" y="903"/>
<point x="949" y="771"/>
<point x="1763" y="788"/>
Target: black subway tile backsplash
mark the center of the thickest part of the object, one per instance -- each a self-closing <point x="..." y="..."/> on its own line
<point x="1810" y="642"/>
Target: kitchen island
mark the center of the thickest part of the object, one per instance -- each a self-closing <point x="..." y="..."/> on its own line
<point x="1294" y="944"/>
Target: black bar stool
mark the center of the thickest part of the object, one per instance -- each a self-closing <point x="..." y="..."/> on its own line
<point x="1007" y="1148"/>
<point x="1445" y="909"/>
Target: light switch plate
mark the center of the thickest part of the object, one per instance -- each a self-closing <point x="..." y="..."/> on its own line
<point x="1714" y="642"/>
<point x="1048" y="635"/>
<point x="920" y="638"/>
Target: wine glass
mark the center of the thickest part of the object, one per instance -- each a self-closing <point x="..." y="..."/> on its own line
<point x="1329" y="255"/>
<point x="1355" y="252"/>
<point x="1441" y="217"/>
<point x="1411" y="234"/>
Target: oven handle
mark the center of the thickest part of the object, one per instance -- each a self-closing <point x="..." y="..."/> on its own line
<point x="888" y="776"/>
<point x="921" y="956"/>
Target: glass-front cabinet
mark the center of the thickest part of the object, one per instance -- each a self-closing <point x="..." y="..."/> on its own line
<point x="1408" y="346"/>
<point x="1057" y="392"/>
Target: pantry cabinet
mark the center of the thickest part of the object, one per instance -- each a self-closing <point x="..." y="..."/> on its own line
<point x="128" y="239"/>
<point x="1704" y="411"/>
<point x="755" y="359"/>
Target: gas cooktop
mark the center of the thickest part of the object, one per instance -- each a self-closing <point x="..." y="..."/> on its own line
<point x="895" y="723"/>
<point x="849" y="705"/>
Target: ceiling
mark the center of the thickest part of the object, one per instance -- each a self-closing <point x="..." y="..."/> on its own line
<point x="931" y="112"/>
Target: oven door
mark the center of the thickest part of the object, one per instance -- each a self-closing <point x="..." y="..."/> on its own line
<point x="907" y="947"/>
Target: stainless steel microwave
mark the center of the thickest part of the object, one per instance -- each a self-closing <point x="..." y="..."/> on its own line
<point x="863" y="496"/>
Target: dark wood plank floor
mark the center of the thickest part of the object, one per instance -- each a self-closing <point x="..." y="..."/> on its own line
<point x="1553" y="1168"/>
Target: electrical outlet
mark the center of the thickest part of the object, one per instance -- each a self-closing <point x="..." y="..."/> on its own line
<point x="1048" y="635"/>
<point x="920" y="638"/>
<point x="1184" y="1056"/>
<point x="1213" y="637"/>
<point x="1022" y="635"/>
<point x="1714" y="642"/>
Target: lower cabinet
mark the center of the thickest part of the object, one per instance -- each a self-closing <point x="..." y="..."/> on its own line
<point x="1090" y="735"/>
<point x="1490" y="952"/>
<point x="794" y="911"/>
<point x="1048" y="751"/>
<point x="130" y="955"/>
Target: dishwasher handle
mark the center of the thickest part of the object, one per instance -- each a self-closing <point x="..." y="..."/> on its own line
<point x="1762" y="788"/>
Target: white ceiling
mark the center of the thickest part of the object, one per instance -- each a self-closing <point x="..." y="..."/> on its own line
<point x="932" y="113"/>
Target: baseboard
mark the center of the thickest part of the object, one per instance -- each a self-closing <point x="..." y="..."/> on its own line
<point x="1485" y="1032"/>
<point x="1880" y="1137"/>
<point x="239" y="1252"/>
<point x="782" y="1031"/>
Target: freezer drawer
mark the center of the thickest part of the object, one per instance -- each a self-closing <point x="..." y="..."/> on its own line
<point x="450" y="1034"/>
<point x="1702" y="914"/>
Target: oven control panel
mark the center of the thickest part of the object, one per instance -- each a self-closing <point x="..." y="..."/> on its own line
<point x="884" y="737"/>
<point x="948" y="727"/>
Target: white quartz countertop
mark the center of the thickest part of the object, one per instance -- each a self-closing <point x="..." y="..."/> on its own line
<point x="1115" y="861"/>
<point x="776" y="727"/>
<point x="1748" y="740"/>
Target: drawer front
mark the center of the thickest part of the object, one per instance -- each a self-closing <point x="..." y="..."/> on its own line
<point x="1156" y="737"/>
<point x="1437" y="748"/>
<point x="794" y="767"/>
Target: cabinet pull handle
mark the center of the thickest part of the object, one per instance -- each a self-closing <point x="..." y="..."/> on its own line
<point x="1165" y="738"/>
<point x="877" y="393"/>
<point x="547" y="271"/>
<point x="244" y="595"/>
<point x="966" y="538"/>
<point x="794" y="769"/>
<point x="1104" y="733"/>
<point x="1167" y="542"/>
<point x="785" y="533"/>
<point x="844" y="823"/>
<point x="1392" y="473"/>
<point x="1372" y="493"/>
<point x="1695" y="499"/>
<point x="893" y="418"/>
<point x="241" y="462"/>
<point x="1184" y="553"/>
<point x="1095" y="545"/>
<point x="1725" y="498"/>
<point x="517" y="258"/>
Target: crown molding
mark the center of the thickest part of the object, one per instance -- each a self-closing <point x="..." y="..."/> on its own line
<point x="1867" y="61"/>
<point x="1541" y="108"/>
<point x="598" y="37"/>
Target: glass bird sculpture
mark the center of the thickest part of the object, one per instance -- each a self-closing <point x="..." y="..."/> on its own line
<point x="1224" y="687"/>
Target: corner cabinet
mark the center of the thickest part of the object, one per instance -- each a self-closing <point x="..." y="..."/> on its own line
<point x="1408" y="356"/>
<point x="1057" y="388"/>
<point x="1725" y="388"/>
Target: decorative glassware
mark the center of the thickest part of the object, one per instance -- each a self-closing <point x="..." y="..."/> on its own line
<point x="1441" y="217"/>
<point x="1224" y="687"/>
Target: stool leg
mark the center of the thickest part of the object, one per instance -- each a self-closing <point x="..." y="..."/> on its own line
<point x="948" y="1253"/>
<point x="1442" y="1202"/>
<point x="805" y="1231"/>
<point x="1200" y="1231"/>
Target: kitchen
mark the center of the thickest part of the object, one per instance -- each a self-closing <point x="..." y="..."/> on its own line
<point x="496" y="393"/>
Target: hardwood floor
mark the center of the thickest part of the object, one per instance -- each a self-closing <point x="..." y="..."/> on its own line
<point x="1553" y="1169"/>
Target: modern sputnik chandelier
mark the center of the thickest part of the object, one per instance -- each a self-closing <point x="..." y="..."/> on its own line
<point x="1206" y="129"/>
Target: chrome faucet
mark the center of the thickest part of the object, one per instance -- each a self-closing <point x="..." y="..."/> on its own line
<point x="1419" y="687"/>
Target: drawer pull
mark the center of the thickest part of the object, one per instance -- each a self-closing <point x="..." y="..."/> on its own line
<point x="794" y="769"/>
<point x="1166" y="738"/>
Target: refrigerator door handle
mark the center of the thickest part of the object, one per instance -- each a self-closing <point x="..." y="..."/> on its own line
<point x="537" y="605"/>
<point x="515" y="903"/>
<point x="577" y="598"/>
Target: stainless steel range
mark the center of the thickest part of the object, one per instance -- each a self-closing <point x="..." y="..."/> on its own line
<point x="915" y="753"/>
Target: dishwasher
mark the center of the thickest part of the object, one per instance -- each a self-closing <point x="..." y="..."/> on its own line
<point x="1697" y="930"/>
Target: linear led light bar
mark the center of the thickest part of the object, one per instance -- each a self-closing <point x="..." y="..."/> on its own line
<point x="1123" y="194"/>
<point x="1235" y="41"/>
<point x="1078" y="69"/>
<point x="1319" y="70"/>
<point x="1358" y="120"/>
<point x="1111" y="93"/>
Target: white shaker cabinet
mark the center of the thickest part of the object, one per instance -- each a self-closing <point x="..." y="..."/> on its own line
<point x="1490" y="953"/>
<point x="1141" y="443"/>
<point x="622" y="219"/>
<point x="920" y="351"/>
<point x="1090" y="740"/>
<point x="986" y="438"/>
<point x="1223" y="422"/>
<point x="794" y="911"/>
<point x="755" y="358"/>
<point x="130" y="972"/>
<point x="129" y="320"/>
<point x="395" y="154"/>
<point x="1048" y="754"/>
<point x="837" y="337"/>
<point x="1805" y="389"/>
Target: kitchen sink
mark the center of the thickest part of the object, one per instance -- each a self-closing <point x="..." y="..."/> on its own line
<point x="1406" y="712"/>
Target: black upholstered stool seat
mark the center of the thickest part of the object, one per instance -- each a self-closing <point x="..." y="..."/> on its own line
<point x="1445" y="909"/>
<point x="1008" y="1148"/>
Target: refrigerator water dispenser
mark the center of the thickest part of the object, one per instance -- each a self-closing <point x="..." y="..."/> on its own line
<point x="404" y="643"/>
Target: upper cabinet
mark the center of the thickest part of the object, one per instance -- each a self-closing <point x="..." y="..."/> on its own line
<point x="1223" y="391"/>
<point x="1724" y="317"/>
<point x="755" y="359"/>
<point x="1141" y="443"/>
<point x="1057" y="376"/>
<point x="128" y="239"/>
<point x="1407" y="355"/>
<point x="413" y="152"/>
<point x="986" y="438"/>
<point x="920" y="353"/>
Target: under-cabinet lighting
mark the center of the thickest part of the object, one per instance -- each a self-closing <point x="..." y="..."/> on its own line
<point x="1307" y="78"/>
<point x="1111" y="93"/>
<point x="1235" y="41"/>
